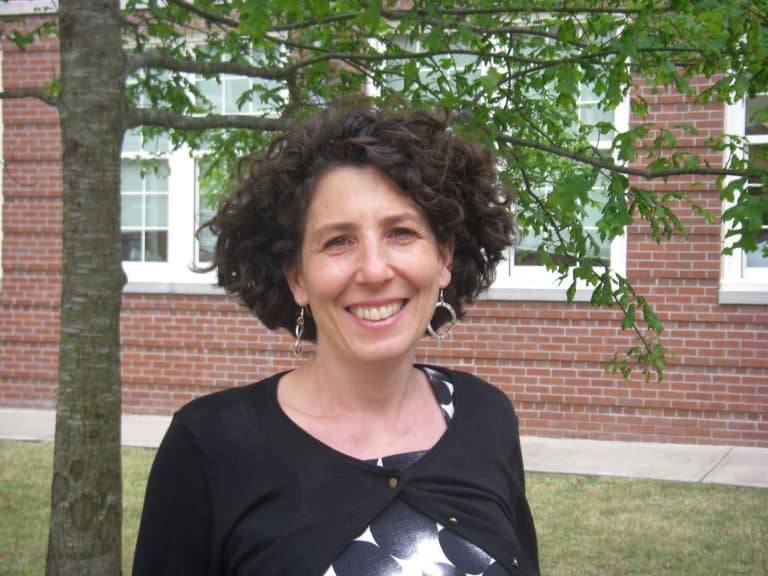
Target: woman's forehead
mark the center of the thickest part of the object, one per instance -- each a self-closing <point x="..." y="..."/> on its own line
<point x="359" y="190"/>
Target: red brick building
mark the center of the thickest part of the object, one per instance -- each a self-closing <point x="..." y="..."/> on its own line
<point x="182" y="338"/>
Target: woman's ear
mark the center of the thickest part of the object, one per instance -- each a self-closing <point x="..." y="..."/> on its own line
<point x="295" y="281"/>
<point x="445" y="252"/>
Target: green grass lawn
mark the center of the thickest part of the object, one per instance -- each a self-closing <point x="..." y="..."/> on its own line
<point x="594" y="526"/>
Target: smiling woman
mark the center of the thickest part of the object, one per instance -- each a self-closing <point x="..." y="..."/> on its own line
<point x="361" y="231"/>
<point x="370" y="269"/>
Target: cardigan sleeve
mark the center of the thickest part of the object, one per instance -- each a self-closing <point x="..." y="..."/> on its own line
<point x="176" y="522"/>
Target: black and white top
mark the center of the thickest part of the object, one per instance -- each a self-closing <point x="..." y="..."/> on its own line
<point x="238" y="488"/>
<point x="401" y="541"/>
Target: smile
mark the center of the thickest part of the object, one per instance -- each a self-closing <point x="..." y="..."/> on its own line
<point x="377" y="313"/>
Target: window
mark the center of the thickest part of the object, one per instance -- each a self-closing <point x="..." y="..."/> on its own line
<point x="232" y="94"/>
<point x="453" y="67"/>
<point x="158" y="217"/>
<point x="522" y="276"/>
<point x="164" y="199"/>
<point x="19" y="7"/>
<point x="144" y="211"/>
<point x="744" y="275"/>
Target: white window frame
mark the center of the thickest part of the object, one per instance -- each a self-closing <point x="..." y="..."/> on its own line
<point x="539" y="284"/>
<point x="738" y="283"/>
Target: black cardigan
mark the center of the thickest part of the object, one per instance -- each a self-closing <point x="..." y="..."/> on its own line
<point x="238" y="488"/>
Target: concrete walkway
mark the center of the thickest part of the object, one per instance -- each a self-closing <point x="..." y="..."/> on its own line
<point x="681" y="462"/>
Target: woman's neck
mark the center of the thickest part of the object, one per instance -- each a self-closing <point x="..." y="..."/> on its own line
<point x="338" y="388"/>
<point x="365" y="412"/>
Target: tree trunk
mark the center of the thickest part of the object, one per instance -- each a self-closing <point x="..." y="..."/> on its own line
<point x="86" y="510"/>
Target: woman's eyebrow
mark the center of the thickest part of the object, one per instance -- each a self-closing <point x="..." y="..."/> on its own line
<point x="331" y="228"/>
<point x="406" y="216"/>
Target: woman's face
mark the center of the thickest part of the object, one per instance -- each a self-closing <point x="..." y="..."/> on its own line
<point x="370" y="268"/>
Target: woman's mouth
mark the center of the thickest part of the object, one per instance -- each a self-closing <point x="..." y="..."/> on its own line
<point x="377" y="313"/>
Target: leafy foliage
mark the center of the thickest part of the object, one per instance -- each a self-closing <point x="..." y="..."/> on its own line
<point x="512" y="74"/>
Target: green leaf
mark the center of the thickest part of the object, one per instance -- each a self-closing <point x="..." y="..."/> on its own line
<point x="490" y="81"/>
<point x="370" y="17"/>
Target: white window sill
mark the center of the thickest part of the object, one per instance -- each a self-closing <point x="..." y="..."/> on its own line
<point x="534" y="293"/>
<point x="192" y="288"/>
<point x="743" y="293"/>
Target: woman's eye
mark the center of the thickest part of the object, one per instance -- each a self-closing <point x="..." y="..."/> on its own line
<point x="404" y="233"/>
<point x="337" y="242"/>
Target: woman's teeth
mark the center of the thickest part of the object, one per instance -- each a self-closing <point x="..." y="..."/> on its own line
<point x="377" y="312"/>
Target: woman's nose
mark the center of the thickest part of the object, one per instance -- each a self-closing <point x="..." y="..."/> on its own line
<point x="375" y="263"/>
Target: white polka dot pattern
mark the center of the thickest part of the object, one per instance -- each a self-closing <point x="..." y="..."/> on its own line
<point x="403" y="542"/>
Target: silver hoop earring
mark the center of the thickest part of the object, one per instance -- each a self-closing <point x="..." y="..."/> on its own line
<point x="443" y="332"/>
<point x="299" y="332"/>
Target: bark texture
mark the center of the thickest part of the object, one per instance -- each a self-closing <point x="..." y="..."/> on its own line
<point x="86" y="512"/>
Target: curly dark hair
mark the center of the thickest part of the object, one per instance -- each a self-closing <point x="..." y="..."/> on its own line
<point x="259" y="227"/>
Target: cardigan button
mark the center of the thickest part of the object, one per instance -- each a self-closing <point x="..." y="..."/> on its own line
<point x="515" y="563"/>
<point x="453" y="521"/>
<point x="393" y="482"/>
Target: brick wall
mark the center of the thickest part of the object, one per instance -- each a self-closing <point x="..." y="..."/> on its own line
<point x="548" y="357"/>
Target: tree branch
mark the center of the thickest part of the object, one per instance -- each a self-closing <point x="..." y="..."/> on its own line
<point x="464" y="12"/>
<point x="644" y="340"/>
<point x="176" y="121"/>
<point x="613" y="167"/>
<point x="207" y="16"/>
<point x="311" y="22"/>
<point x="41" y="95"/>
<point x="162" y="59"/>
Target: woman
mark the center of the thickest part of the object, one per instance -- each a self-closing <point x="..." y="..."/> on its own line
<point x="360" y="232"/>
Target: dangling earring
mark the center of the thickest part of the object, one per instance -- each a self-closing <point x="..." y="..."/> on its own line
<point x="441" y="303"/>
<point x="299" y="332"/>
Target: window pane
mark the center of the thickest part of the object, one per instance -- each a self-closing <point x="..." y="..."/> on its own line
<point x="157" y="144"/>
<point x="206" y="240"/>
<point x="587" y="93"/>
<point x="212" y="90"/>
<point x="593" y="214"/>
<point x="755" y="126"/>
<point x="605" y="247"/>
<point x="156" y="246"/>
<point x="525" y="251"/>
<point x="758" y="154"/>
<point x="756" y="259"/>
<point x="131" y="246"/>
<point x="591" y="114"/>
<point x="130" y="176"/>
<point x="157" y="211"/>
<point x="130" y="210"/>
<point x="206" y="245"/>
<point x="132" y="141"/>
<point x="141" y="210"/>
<point x="156" y="179"/>
<point x="234" y="87"/>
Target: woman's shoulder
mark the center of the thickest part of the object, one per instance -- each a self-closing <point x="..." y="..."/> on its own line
<point x="241" y="404"/>
<point x="477" y="400"/>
